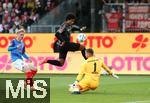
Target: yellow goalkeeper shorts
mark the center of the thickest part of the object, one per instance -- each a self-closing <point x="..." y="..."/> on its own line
<point x="87" y="84"/>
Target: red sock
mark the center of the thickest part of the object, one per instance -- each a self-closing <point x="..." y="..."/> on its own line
<point x="29" y="78"/>
<point x="29" y="81"/>
<point x="34" y="72"/>
<point x="29" y="74"/>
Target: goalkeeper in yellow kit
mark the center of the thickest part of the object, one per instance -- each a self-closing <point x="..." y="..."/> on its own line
<point x="88" y="77"/>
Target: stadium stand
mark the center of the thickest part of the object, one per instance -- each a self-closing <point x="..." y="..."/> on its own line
<point x="97" y="15"/>
<point x="15" y="14"/>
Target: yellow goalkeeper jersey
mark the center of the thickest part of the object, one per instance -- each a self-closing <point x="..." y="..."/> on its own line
<point x="92" y="68"/>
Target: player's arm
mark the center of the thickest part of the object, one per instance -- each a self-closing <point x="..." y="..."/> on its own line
<point x="25" y="55"/>
<point x="109" y="71"/>
<point x="81" y="73"/>
<point x="77" y="28"/>
<point x="59" y="33"/>
<point x="11" y="46"/>
<point x="106" y="68"/>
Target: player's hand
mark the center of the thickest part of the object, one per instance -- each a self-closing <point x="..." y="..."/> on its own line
<point x="75" y="82"/>
<point x="62" y="43"/>
<point x="83" y="28"/>
<point x="19" y="46"/>
<point x="115" y="76"/>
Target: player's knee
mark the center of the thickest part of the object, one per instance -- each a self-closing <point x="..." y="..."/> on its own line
<point x="93" y="87"/>
<point x="32" y="67"/>
<point x="82" y="47"/>
<point x="29" y="67"/>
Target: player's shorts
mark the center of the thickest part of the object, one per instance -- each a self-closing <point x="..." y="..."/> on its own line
<point x="88" y="84"/>
<point x="70" y="46"/>
<point x="22" y="65"/>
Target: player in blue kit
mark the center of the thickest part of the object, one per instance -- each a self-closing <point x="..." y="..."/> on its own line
<point x="17" y="51"/>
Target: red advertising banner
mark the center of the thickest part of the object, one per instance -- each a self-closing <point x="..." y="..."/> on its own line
<point x="138" y="17"/>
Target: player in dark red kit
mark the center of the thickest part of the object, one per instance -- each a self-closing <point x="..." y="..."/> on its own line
<point x="65" y="45"/>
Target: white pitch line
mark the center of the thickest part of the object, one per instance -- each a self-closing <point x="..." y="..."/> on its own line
<point x="147" y="101"/>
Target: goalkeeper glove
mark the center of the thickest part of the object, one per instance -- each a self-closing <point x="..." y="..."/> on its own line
<point x="115" y="76"/>
<point x="74" y="84"/>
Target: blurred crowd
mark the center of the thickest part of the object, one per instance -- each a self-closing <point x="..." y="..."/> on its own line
<point x="127" y="1"/>
<point x="15" y="14"/>
<point x="138" y="1"/>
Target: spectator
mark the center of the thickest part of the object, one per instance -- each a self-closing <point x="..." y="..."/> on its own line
<point x="25" y="15"/>
<point x="7" y="4"/>
<point x="50" y="5"/>
<point x="1" y="4"/>
<point x="13" y="15"/>
<point x="17" y="21"/>
<point x="5" y="29"/>
<point x="26" y="22"/>
<point x="145" y="1"/>
<point x="10" y="22"/>
<point x="14" y="29"/>
<point x="30" y="4"/>
<point x="22" y="12"/>
<point x="21" y="2"/>
<point x="17" y="9"/>
<point x="2" y="25"/>
<point x="34" y="17"/>
<point x="6" y="14"/>
<point x="1" y="14"/>
<point x="137" y="1"/>
<point x="108" y="1"/>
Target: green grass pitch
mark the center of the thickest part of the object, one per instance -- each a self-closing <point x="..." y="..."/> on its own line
<point x="128" y="89"/>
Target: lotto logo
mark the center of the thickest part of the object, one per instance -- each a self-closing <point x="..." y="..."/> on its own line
<point x="140" y="42"/>
<point x="5" y="62"/>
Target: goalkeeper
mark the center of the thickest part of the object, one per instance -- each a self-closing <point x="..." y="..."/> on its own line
<point x="88" y="77"/>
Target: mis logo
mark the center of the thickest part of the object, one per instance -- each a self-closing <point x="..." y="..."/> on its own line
<point x="12" y="90"/>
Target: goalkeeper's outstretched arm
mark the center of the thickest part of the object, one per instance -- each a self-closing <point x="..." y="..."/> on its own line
<point x="109" y="71"/>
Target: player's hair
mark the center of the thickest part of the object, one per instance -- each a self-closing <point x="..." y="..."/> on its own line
<point x="70" y="16"/>
<point x="90" y="50"/>
<point x="20" y="30"/>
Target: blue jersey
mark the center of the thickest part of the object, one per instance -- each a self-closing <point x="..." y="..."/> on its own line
<point x="15" y="52"/>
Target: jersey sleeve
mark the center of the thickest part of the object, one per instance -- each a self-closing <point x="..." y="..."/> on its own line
<point x="12" y="46"/>
<point x="59" y="32"/>
<point x="81" y="73"/>
<point x="24" y="54"/>
<point x="76" y="28"/>
<point x="106" y="68"/>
